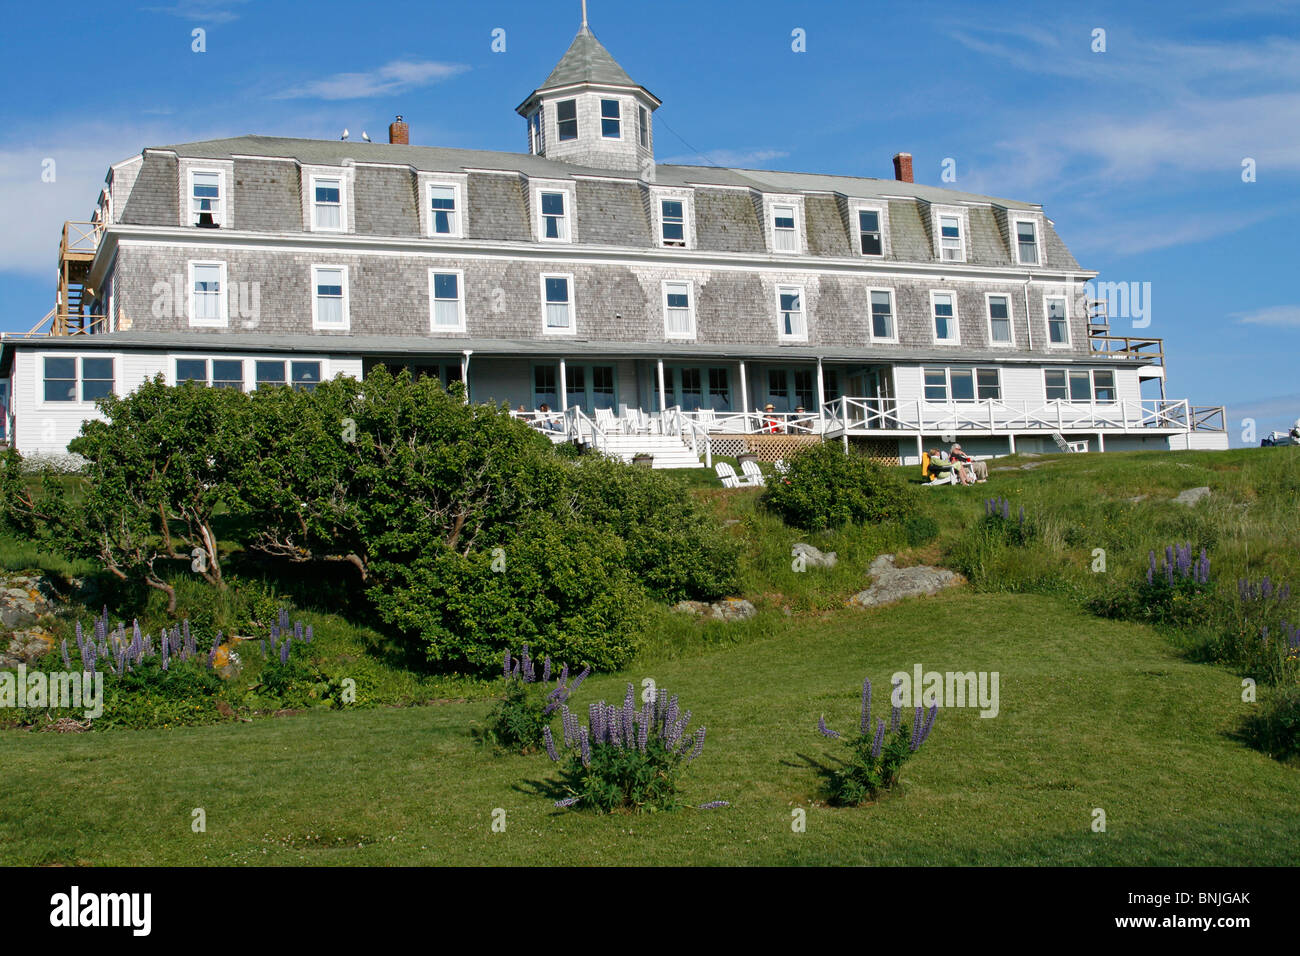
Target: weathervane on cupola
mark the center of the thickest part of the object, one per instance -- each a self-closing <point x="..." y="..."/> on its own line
<point x="590" y="113"/>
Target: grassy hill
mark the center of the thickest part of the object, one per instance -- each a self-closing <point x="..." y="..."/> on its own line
<point x="1095" y="714"/>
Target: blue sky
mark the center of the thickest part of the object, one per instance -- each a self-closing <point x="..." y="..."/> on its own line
<point x="1136" y="152"/>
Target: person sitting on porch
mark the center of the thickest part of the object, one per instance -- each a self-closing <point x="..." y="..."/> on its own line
<point x="771" y="423"/>
<point x="544" y="419"/>
<point x="799" y="425"/>
<point x="968" y="467"/>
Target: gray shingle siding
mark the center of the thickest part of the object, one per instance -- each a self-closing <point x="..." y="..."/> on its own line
<point x="909" y="232"/>
<point x="497" y="208"/>
<point x="825" y="224"/>
<point x="726" y="221"/>
<point x="612" y="214"/>
<point x="385" y="202"/>
<point x="155" y="196"/>
<point x="984" y="245"/>
<point x="268" y="196"/>
<point x="1057" y="256"/>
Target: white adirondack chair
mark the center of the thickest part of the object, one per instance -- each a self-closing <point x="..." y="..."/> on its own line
<point x="607" y="422"/>
<point x="727" y="475"/>
<point x="752" y="472"/>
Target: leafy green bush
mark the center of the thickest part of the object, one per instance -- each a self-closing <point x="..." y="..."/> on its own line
<point x="1275" y="729"/>
<point x="825" y="487"/>
<point x="517" y="722"/>
<point x="920" y="530"/>
<point x="1178" y="594"/>
<point x="875" y="758"/>
<point x="625" y="760"/>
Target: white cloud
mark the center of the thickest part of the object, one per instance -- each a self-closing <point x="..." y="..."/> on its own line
<point x="1282" y="316"/>
<point x="396" y="76"/>
<point x="204" y="11"/>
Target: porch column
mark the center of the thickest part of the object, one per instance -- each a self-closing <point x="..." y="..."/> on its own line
<point x="821" y="394"/>
<point x="1011" y="442"/>
<point x="663" y="394"/>
<point x="920" y="447"/>
<point x="564" y="387"/>
<point x="744" y="397"/>
<point x="1101" y="441"/>
<point x="464" y="371"/>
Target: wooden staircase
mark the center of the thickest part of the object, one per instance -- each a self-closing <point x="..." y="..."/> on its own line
<point x="76" y="254"/>
<point x="1145" y="349"/>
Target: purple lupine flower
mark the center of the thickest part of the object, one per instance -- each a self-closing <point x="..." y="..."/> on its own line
<point x="212" y="654"/>
<point x="526" y="661"/>
<point x="284" y="618"/>
<point x="297" y="631"/>
<point x="567" y="801"/>
<point x="879" y="740"/>
<point x="714" y="805"/>
<point x="699" y="745"/>
<point x="81" y="643"/>
<point x="284" y="650"/>
<point x="546" y="669"/>
<point x="629" y="713"/>
<point x="88" y="659"/>
<point x="893" y="720"/>
<point x="63" y="646"/>
<point x="864" y="726"/>
<point x="550" y="743"/>
<point x="185" y="630"/>
<point x="584" y="743"/>
<point x="916" y="727"/>
<point x="507" y="663"/>
<point x="925" y="730"/>
<point x="595" y="718"/>
<point x="613" y="733"/>
<point x="262" y="643"/>
<point x="1151" y="568"/>
<point x="564" y="674"/>
<point x="826" y="731"/>
<point x="310" y="636"/>
<point x="577" y="681"/>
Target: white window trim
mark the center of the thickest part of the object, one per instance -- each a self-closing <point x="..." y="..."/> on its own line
<point x="893" y="316"/>
<point x="769" y="209"/>
<point x="251" y="360"/>
<point x="459" y="329"/>
<point x="243" y="369"/>
<point x="803" y="312"/>
<point x="939" y="213"/>
<point x="77" y="403"/>
<point x="343" y="201"/>
<point x="1047" y="325"/>
<point x="221" y="218"/>
<point x="573" y="303"/>
<point x="1092" y="385"/>
<point x="577" y="119"/>
<point x="224" y="321"/>
<point x="688" y="218"/>
<point x="600" y="115"/>
<point x="570" y="211"/>
<point x="690" y="304"/>
<point x="974" y="382"/>
<point x="347" y="304"/>
<point x="458" y="192"/>
<point x="956" y="322"/>
<point x="882" y="216"/>
<point x="988" y="319"/>
<point x="1038" y="239"/>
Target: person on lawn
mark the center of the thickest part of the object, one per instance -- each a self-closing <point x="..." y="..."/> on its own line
<point x="968" y="466"/>
<point x="938" y="467"/>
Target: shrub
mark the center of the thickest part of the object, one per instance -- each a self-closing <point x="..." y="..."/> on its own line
<point x="919" y="530"/>
<point x="517" y="722"/>
<point x="999" y="524"/>
<point x="826" y="487"/>
<point x="1275" y="728"/>
<point x="874" y="759"/>
<point x="625" y="760"/>
<point x="1179" y="593"/>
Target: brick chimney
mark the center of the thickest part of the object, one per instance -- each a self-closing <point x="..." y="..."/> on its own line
<point x="902" y="166"/>
<point x="400" y="134"/>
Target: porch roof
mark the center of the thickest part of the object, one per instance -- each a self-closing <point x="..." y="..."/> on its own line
<point x="384" y="346"/>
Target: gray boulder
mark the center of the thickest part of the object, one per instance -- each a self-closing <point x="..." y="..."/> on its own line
<point x="891" y="583"/>
<point x="813" y="558"/>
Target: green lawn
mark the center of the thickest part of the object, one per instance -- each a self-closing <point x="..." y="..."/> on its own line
<point x="1094" y="714"/>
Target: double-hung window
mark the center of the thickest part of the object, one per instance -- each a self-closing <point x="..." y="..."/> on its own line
<point x="673" y="222"/>
<point x="444" y="217"/>
<point x="1080" y="385"/>
<point x="329" y="297"/>
<point x="305" y="376"/>
<point x="267" y="373"/>
<point x="792" y="324"/>
<point x="882" y="316"/>
<point x="1027" y="242"/>
<point x="207" y="305"/>
<point x="228" y="373"/>
<point x="448" y="314"/>
<point x="784" y="236"/>
<point x="537" y="128"/>
<point x="944" y="307"/>
<point x="205" y="198"/>
<point x="869" y="235"/>
<point x="643" y="124"/>
<point x="555" y="224"/>
<point x="1058" y="327"/>
<point x="952" y="248"/>
<point x="999" y="319"/>
<point x="679" y="313"/>
<point x="944" y="385"/>
<point x="327" y="204"/>
<point x="557" y="303"/>
<point x="566" y="117"/>
<point x="611" y="119"/>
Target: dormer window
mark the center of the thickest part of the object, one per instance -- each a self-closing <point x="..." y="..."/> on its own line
<point x="1027" y="242"/>
<point x="673" y="213"/>
<point x="444" y="216"/>
<point x="205" y="199"/>
<point x="327" y="204"/>
<point x="555" y="224"/>
<point x="952" y="247"/>
<point x="784" y="237"/>
<point x="566" y="117"/>
<point x="611" y="119"/>
<point x="869" y="234"/>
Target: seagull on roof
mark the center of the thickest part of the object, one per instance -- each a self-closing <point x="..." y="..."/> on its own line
<point x="345" y="133"/>
<point x="365" y="136"/>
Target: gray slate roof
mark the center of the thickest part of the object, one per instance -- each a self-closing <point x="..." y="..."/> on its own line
<point x="587" y="61"/>
<point x="327" y="152"/>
